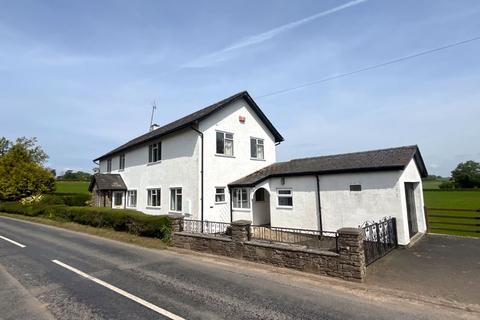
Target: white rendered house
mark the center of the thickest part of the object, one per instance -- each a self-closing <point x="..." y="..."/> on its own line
<point x="219" y="164"/>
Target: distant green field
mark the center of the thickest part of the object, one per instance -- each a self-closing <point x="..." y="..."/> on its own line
<point x="433" y="184"/>
<point x="72" y="187"/>
<point x="452" y="199"/>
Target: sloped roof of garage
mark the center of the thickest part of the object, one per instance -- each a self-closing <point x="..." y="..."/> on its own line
<point x="192" y="118"/>
<point x="107" y="181"/>
<point x="376" y="160"/>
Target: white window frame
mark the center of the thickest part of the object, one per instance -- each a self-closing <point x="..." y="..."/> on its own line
<point x="225" y="139"/>
<point x="241" y="201"/>
<point x="109" y="165"/>
<point x="115" y="193"/>
<point x="155" y="152"/>
<point x="121" y="162"/>
<point x="158" y="192"/>
<point x="258" y="141"/>
<point x="129" y="203"/>
<point x="290" y="195"/>
<point x="174" y="193"/>
<point x="220" y="194"/>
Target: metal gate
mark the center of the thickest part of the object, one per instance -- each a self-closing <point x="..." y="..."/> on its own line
<point x="379" y="238"/>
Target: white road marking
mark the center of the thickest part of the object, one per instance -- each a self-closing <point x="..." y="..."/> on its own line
<point x="14" y="242"/>
<point x="130" y="296"/>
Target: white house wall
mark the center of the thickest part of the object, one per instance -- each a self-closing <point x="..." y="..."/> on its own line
<point x="411" y="174"/>
<point x="179" y="167"/>
<point x="220" y="170"/>
<point x="382" y="195"/>
<point x="304" y="213"/>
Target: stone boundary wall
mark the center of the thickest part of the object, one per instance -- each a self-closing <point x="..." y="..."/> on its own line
<point x="347" y="264"/>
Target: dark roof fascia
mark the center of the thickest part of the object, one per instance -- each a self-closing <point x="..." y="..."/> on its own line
<point x="420" y="163"/>
<point x="277" y="136"/>
<point x="318" y="173"/>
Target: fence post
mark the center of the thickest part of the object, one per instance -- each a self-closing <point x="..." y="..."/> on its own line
<point x="241" y="230"/>
<point x="176" y="221"/>
<point x="352" y="254"/>
<point x="394" y="229"/>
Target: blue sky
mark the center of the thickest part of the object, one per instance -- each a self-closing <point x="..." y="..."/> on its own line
<point x="81" y="75"/>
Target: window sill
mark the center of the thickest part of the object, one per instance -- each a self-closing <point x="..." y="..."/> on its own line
<point x="223" y="202"/>
<point x="175" y="212"/>
<point x="242" y="209"/>
<point x="154" y="163"/>
<point x="223" y="155"/>
<point x="154" y="208"/>
<point x="285" y="207"/>
<point x="257" y="159"/>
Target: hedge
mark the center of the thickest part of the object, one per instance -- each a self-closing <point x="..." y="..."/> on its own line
<point x="130" y="221"/>
<point x="69" y="199"/>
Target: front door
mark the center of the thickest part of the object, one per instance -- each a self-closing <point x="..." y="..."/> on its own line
<point x="411" y="214"/>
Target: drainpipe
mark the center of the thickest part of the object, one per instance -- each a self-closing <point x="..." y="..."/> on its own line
<point x="231" y="201"/>
<point x="201" y="173"/>
<point x="320" y="225"/>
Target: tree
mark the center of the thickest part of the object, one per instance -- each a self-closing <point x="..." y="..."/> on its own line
<point x="5" y="145"/>
<point x="467" y="175"/>
<point x="20" y="173"/>
<point x="79" y="175"/>
<point x="35" y="151"/>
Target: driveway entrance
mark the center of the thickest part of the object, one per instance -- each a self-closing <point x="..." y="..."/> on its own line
<point x="437" y="266"/>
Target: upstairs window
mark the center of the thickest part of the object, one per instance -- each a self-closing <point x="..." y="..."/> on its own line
<point x="285" y="198"/>
<point x="225" y="143"/>
<point x="109" y="165"/>
<point x="132" y="198"/>
<point x="219" y="195"/>
<point x="155" y="152"/>
<point x="176" y="199"/>
<point x="241" y="198"/>
<point x="121" y="162"/>
<point x="154" y="197"/>
<point x="256" y="148"/>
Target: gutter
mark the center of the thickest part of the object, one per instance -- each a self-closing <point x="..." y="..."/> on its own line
<point x="201" y="174"/>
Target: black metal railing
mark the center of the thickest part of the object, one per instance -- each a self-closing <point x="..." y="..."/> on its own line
<point x="327" y="240"/>
<point x="379" y="238"/>
<point x="214" y="228"/>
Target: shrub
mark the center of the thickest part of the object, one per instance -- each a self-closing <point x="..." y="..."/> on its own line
<point x="130" y="221"/>
<point x="69" y="199"/>
<point x="447" y="185"/>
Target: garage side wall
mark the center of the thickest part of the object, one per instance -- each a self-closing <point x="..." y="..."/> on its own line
<point x="411" y="174"/>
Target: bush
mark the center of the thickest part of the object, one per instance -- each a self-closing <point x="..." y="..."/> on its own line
<point x="447" y="185"/>
<point x="126" y="220"/>
<point x="69" y="199"/>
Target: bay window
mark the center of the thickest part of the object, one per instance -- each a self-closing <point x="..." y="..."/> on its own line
<point x="241" y="198"/>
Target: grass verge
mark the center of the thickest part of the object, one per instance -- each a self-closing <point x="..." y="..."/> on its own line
<point x="107" y="233"/>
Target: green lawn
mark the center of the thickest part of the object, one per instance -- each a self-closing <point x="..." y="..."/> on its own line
<point x="72" y="187"/>
<point x="463" y="223"/>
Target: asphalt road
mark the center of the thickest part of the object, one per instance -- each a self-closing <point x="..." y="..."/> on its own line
<point x="60" y="274"/>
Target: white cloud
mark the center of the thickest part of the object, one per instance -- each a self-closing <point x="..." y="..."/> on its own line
<point x="220" y="55"/>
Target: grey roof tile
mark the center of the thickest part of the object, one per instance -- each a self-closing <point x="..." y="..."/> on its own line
<point x="375" y="160"/>
<point x="107" y="181"/>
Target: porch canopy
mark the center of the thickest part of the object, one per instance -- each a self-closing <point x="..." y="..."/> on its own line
<point x="107" y="181"/>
